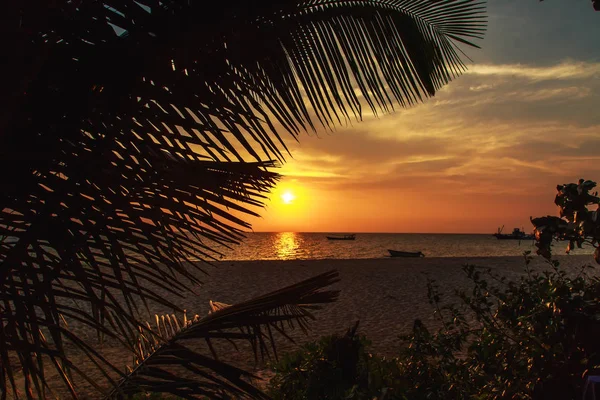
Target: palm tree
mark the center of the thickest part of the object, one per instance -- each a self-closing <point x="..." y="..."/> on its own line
<point x="134" y="133"/>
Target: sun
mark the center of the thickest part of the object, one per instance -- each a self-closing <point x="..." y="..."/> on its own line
<point x="287" y="197"/>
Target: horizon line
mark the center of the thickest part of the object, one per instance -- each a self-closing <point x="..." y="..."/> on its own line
<point x="387" y="232"/>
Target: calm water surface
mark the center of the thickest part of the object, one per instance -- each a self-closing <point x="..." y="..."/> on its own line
<point x="314" y="246"/>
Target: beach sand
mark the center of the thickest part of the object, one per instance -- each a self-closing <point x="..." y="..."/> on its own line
<point x="386" y="295"/>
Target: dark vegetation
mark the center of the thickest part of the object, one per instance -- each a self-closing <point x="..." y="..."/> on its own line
<point x="136" y="135"/>
<point x="533" y="338"/>
<point x="335" y="367"/>
<point x="577" y="223"/>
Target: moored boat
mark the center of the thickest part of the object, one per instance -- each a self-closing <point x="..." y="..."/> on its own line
<point x="343" y="237"/>
<point x="398" y="253"/>
<point x="516" y="234"/>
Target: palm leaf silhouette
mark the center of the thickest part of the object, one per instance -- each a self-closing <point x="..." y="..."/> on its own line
<point x="136" y="133"/>
<point x="257" y="320"/>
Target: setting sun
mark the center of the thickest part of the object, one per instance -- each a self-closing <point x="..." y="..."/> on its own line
<point x="287" y="197"/>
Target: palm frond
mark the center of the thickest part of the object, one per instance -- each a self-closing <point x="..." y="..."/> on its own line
<point x="135" y="133"/>
<point x="254" y="320"/>
<point x="88" y="256"/>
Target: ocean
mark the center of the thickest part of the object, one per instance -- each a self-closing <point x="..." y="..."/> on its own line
<point x="315" y="246"/>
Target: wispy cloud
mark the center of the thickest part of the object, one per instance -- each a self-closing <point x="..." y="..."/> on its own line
<point x="564" y="71"/>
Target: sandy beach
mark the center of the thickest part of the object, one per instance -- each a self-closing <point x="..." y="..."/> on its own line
<point x="385" y="295"/>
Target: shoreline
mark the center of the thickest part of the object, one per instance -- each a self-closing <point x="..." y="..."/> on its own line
<point x="560" y="257"/>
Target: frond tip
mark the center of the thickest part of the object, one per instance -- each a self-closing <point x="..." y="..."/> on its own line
<point x="163" y="351"/>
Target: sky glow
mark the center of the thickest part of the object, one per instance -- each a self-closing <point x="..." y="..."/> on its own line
<point x="488" y="150"/>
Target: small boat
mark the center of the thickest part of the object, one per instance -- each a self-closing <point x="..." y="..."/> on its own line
<point x="398" y="253"/>
<point x="517" y="234"/>
<point x="344" y="237"/>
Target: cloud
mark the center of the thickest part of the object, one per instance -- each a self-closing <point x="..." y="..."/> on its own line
<point x="497" y="121"/>
<point x="498" y="138"/>
<point x="563" y="71"/>
<point x="488" y="150"/>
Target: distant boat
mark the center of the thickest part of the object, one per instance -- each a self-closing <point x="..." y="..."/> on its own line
<point x="397" y="253"/>
<point x="344" y="237"/>
<point x="516" y="234"/>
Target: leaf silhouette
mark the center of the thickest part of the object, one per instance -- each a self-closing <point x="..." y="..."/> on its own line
<point x="135" y="136"/>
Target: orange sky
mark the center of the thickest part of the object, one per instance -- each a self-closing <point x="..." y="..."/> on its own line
<point x="487" y="151"/>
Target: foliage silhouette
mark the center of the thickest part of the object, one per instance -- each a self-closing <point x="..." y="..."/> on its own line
<point x="335" y="367"/>
<point x="528" y="338"/>
<point x="136" y="135"/>
<point x="534" y="337"/>
<point x="577" y="224"/>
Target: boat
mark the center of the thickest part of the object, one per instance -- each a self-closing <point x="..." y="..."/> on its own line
<point x="343" y="237"/>
<point x="398" y="253"/>
<point x="517" y="234"/>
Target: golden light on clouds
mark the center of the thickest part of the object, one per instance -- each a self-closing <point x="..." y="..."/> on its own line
<point x="563" y="70"/>
<point x="487" y="151"/>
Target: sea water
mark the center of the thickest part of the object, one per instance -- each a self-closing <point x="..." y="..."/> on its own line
<point x="315" y="246"/>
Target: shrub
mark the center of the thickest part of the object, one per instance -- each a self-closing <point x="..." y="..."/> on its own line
<point x="577" y="224"/>
<point x="534" y="338"/>
<point x="531" y="338"/>
<point x="335" y="367"/>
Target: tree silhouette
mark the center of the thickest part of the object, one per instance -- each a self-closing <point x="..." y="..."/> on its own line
<point x="577" y="224"/>
<point x="134" y="134"/>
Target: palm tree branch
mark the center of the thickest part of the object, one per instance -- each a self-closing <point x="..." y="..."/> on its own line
<point x="95" y="275"/>
<point x="289" y="304"/>
<point x="120" y="188"/>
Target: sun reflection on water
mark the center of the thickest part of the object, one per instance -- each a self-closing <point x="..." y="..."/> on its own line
<point x="286" y="245"/>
